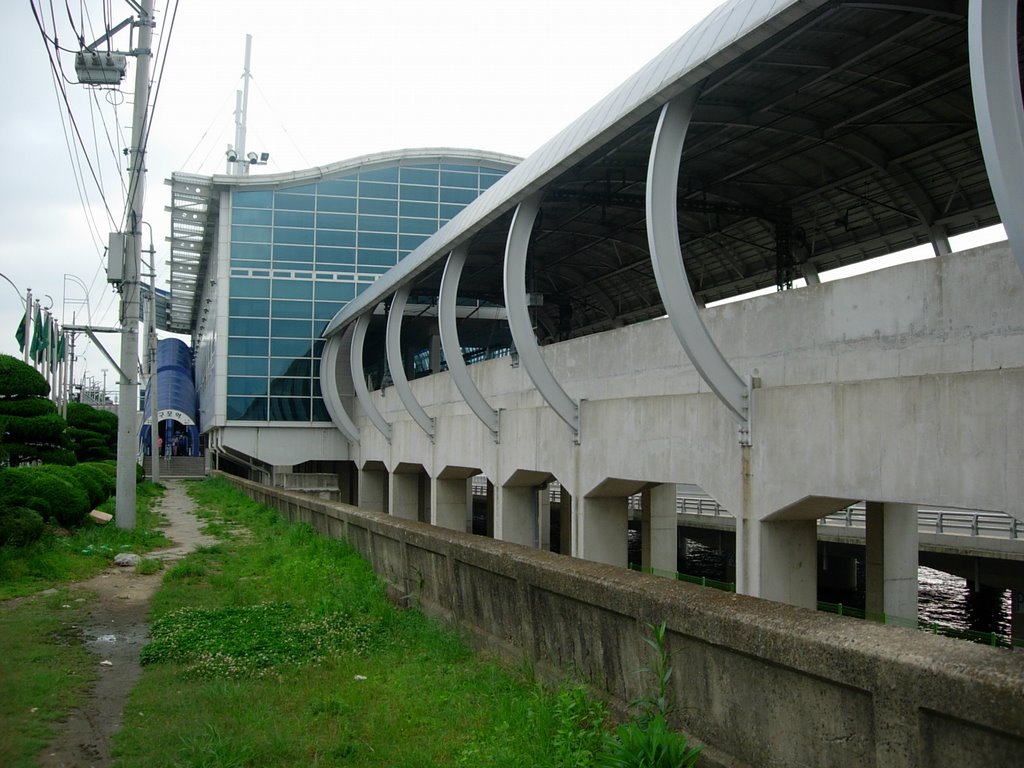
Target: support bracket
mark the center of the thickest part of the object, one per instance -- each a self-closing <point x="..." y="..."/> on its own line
<point x="447" y="308"/>
<point x="669" y="269"/>
<point x="359" y="376"/>
<point x="393" y="343"/>
<point x="519" y="315"/>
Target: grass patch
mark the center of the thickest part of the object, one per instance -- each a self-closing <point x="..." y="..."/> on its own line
<point x="148" y="566"/>
<point x="44" y="672"/>
<point x="46" y="668"/>
<point x="56" y="559"/>
<point x="279" y="648"/>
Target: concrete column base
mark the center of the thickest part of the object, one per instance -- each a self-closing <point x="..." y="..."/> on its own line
<point x="373" y="490"/>
<point x="658" y="529"/>
<point x="891" y="553"/>
<point x="448" y="503"/>
<point x="778" y="560"/>
<point x="603" y="523"/>
<point x="405" y="496"/>
<point x="544" y="519"/>
<point x="515" y="517"/>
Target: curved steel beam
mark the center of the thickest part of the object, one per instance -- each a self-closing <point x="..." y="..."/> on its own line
<point x="995" y="81"/>
<point x="359" y="375"/>
<point x="447" y="307"/>
<point x="393" y="343"/>
<point x="667" y="259"/>
<point x="329" y="390"/>
<point x="519" y="315"/>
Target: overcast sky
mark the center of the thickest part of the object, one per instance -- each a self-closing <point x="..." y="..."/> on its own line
<point x="331" y="80"/>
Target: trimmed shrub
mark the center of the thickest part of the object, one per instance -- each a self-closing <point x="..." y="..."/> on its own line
<point x="20" y="380"/>
<point x="27" y="407"/>
<point x="61" y="456"/>
<point x="107" y="481"/>
<point x="49" y="490"/>
<point x="92" y="432"/>
<point x="93" y="481"/>
<point x="19" y="526"/>
<point x="48" y="429"/>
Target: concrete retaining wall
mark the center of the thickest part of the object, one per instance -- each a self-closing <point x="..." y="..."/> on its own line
<point x="761" y="683"/>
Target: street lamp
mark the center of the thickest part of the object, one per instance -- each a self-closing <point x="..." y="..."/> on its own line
<point x="27" y="303"/>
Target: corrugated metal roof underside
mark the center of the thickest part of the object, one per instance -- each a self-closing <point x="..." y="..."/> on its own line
<point x="824" y="135"/>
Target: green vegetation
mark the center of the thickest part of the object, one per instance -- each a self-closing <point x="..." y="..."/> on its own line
<point x="55" y="559"/>
<point x="646" y="741"/>
<point x="60" y="491"/>
<point x="44" y="672"/>
<point x="280" y="648"/>
<point x="30" y="428"/>
<point x="92" y="432"/>
<point x="46" y="668"/>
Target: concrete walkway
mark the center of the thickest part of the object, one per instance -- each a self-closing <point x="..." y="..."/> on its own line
<point x="115" y="631"/>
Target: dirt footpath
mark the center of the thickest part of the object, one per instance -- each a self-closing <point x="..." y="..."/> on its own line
<point x="115" y="632"/>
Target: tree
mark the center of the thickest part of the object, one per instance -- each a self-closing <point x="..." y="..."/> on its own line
<point x="32" y="430"/>
<point x="92" y="432"/>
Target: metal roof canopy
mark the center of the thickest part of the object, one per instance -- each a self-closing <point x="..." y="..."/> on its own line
<point x="195" y="208"/>
<point x="824" y="134"/>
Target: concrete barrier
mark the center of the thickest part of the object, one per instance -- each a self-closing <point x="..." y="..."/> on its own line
<point x="759" y="682"/>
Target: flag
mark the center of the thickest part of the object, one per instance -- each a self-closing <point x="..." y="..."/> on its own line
<point x="61" y="348"/>
<point x="38" y="338"/>
<point x="20" y="333"/>
<point x="51" y="347"/>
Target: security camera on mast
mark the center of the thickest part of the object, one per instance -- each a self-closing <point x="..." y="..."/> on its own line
<point x="238" y="161"/>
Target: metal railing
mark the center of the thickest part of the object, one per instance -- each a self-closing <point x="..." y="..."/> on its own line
<point x="929" y="520"/>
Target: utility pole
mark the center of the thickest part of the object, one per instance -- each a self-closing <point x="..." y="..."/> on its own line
<point x="152" y="369"/>
<point x="128" y="402"/>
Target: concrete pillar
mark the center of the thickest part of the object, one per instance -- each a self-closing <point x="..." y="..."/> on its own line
<point x="544" y="518"/>
<point x="372" y="489"/>
<point x="658" y="529"/>
<point x="449" y="502"/>
<point x="515" y="517"/>
<point x="890" y="568"/>
<point x="603" y="523"/>
<point x="565" y="523"/>
<point x="778" y="560"/>
<point x="405" y="495"/>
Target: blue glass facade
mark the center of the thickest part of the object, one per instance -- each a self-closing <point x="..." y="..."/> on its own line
<point x="300" y="253"/>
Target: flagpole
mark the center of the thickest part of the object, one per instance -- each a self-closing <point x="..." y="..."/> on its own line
<point x="37" y="330"/>
<point x="27" y="320"/>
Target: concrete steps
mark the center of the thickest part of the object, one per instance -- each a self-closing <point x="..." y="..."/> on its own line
<point x="176" y="466"/>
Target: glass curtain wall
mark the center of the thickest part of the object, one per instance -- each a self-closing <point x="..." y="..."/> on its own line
<point x="300" y="253"/>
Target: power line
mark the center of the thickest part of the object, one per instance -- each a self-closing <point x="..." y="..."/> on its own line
<point x="54" y="66"/>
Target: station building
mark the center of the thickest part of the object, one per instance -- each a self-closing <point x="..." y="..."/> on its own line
<point x="259" y="265"/>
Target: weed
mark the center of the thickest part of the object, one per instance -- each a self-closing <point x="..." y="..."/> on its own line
<point x="653" y="745"/>
<point x="646" y="741"/>
<point x="148" y="566"/>
<point x="656" y="702"/>
<point x="579" y="727"/>
<point x="185" y="569"/>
